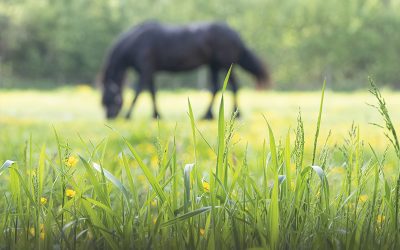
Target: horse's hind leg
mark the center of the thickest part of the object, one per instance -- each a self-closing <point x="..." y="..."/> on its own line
<point x="235" y="88"/>
<point x="214" y="89"/>
<point x="138" y="89"/>
<point x="153" y="98"/>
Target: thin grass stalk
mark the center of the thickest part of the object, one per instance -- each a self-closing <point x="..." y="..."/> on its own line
<point x="391" y="134"/>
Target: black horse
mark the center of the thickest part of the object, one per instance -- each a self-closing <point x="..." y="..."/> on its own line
<point x="152" y="47"/>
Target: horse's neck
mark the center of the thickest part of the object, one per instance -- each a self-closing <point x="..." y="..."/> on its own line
<point x="114" y="77"/>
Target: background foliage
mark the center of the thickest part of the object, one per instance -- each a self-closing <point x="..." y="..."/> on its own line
<point x="302" y="41"/>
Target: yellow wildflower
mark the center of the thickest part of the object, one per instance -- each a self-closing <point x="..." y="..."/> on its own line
<point x="363" y="198"/>
<point x="154" y="203"/>
<point x="43" y="200"/>
<point x="202" y="231"/>
<point x="32" y="231"/>
<point x="154" y="162"/>
<point x="71" y="161"/>
<point x="380" y="218"/>
<point x="70" y="193"/>
<point x="206" y="185"/>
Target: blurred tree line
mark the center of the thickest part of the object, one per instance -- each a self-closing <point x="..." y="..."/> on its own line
<point x="303" y="41"/>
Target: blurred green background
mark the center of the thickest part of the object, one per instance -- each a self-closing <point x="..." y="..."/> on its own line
<point x="46" y="43"/>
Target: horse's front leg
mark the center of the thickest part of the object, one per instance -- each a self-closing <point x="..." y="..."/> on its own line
<point x="138" y="90"/>
<point x="214" y="89"/>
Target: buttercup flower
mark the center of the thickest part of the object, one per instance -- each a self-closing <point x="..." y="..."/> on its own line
<point x="32" y="231"/>
<point x="363" y="198"/>
<point x="206" y="186"/>
<point x="70" y="193"/>
<point x="71" y="161"/>
<point x="380" y="218"/>
<point x="43" y="200"/>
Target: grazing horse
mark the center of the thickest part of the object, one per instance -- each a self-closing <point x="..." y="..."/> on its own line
<point x="152" y="47"/>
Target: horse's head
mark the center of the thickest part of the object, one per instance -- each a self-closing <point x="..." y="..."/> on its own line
<point x="251" y="63"/>
<point x="112" y="100"/>
<point x="263" y="78"/>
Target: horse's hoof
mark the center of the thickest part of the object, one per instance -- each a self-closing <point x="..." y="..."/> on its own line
<point x="156" y="116"/>
<point x="208" y="116"/>
<point x="238" y="114"/>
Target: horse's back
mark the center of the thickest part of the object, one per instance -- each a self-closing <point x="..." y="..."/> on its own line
<point x="176" y="48"/>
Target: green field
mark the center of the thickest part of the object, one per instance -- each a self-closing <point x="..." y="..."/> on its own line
<point x="228" y="199"/>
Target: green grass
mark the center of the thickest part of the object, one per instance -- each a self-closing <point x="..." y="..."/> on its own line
<point x="327" y="179"/>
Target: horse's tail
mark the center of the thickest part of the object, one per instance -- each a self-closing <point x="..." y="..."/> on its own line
<point x="251" y="63"/>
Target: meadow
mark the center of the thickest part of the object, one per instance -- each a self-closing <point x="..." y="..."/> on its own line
<point x="269" y="180"/>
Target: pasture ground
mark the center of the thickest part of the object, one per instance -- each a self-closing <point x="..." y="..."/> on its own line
<point x="77" y="111"/>
<point x="29" y="119"/>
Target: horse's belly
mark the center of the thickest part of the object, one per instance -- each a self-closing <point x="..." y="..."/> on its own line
<point x="184" y="62"/>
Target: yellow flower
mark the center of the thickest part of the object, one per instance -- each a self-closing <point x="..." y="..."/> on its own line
<point x="41" y="230"/>
<point x="206" y="185"/>
<point x="380" y="218"/>
<point x="154" y="203"/>
<point x="32" y="231"/>
<point x="202" y="231"/>
<point x="71" y="161"/>
<point x="70" y="193"/>
<point x="363" y="198"/>
<point x="154" y="162"/>
<point x="43" y="200"/>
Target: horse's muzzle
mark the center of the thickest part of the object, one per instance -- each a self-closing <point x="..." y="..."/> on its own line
<point x="263" y="85"/>
<point x="111" y="113"/>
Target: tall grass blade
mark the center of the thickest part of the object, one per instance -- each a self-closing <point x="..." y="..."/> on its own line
<point x="318" y="123"/>
<point x="186" y="175"/>
<point x="113" y="180"/>
<point x="186" y="216"/>
<point x="274" y="206"/>
<point x="150" y="177"/>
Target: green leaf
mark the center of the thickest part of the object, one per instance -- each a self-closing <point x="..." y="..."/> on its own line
<point x="318" y="122"/>
<point x="227" y="78"/>
<point x="6" y="165"/>
<point x="186" y="175"/>
<point x="150" y="177"/>
<point x="113" y="180"/>
<point x="186" y="216"/>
